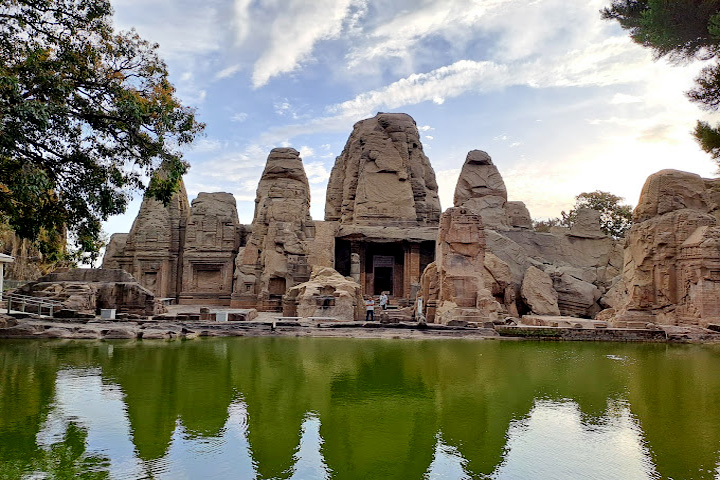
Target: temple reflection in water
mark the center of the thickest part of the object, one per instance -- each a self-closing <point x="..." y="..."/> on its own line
<point x="331" y="408"/>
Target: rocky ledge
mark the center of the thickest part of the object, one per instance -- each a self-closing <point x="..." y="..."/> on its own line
<point x="536" y="328"/>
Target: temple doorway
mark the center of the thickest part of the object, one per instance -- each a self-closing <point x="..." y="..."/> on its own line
<point x="383" y="274"/>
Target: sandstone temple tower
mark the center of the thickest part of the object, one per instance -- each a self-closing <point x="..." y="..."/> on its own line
<point x="382" y="198"/>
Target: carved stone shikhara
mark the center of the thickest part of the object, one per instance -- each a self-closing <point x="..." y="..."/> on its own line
<point x="383" y="229"/>
<point x="275" y="257"/>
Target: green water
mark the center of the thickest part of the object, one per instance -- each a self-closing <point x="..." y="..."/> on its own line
<point x="307" y="408"/>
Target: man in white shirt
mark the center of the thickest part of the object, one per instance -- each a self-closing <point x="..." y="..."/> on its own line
<point x="383" y="301"/>
<point x="369" y="309"/>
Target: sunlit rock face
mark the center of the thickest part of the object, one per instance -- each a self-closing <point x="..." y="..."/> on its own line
<point x="481" y="189"/>
<point x="562" y="272"/>
<point x="276" y="255"/>
<point x="326" y="295"/>
<point x="456" y="290"/>
<point x="382" y="177"/>
<point x="151" y="251"/>
<point x="211" y="244"/>
<point x="87" y="290"/>
<point x="672" y="254"/>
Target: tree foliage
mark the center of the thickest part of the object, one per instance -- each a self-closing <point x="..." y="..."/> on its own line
<point x="86" y="114"/>
<point x="615" y="218"/>
<point x="681" y="30"/>
<point x="544" y="226"/>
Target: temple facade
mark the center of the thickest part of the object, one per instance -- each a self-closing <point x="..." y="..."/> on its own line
<point x="381" y="221"/>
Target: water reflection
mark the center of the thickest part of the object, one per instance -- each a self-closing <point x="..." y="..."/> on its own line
<point x="330" y="408"/>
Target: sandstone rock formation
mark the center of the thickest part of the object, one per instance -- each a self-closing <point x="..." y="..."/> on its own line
<point x="88" y="290"/>
<point x="671" y="269"/>
<point x="382" y="177"/>
<point x="582" y="262"/>
<point x="151" y="251"/>
<point x="518" y="216"/>
<point x="326" y="295"/>
<point x="211" y="245"/>
<point x="453" y="286"/>
<point x="481" y="189"/>
<point x="382" y="200"/>
<point x="538" y="292"/>
<point x="276" y="255"/>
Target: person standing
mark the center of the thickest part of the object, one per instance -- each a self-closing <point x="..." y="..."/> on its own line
<point x="383" y="300"/>
<point x="369" y="309"/>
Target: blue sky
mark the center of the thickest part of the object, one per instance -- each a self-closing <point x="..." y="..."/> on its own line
<point x="563" y="101"/>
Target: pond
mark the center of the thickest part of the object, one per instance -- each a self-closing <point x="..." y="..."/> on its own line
<point x="314" y="408"/>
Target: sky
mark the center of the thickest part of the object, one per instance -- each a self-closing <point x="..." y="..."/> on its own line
<point x="562" y="100"/>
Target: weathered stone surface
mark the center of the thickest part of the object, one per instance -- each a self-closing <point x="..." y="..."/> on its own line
<point x="538" y="293"/>
<point x="326" y="294"/>
<point x="88" y="290"/>
<point x="518" y="216"/>
<point x="481" y="189"/>
<point x="587" y="224"/>
<point x="459" y="293"/>
<point x="670" y="190"/>
<point x="151" y="251"/>
<point x="576" y="297"/>
<point x="699" y="277"/>
<point x="672" y="255"/>
<point x="276" y="255"/>
<point x="212" y="240"/>
<point x="114" y="251"/>
<point x="322" y="248"/>
<point x="382" y="177"/>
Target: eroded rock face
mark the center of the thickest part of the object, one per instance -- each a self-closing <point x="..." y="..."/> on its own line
<point x="581" y="262"/>
<point x="538" y="292"/>
<point x="382" y="177"/>
<point x="88" y="290"/>
<point x="670" y="190"/>
<point x="587" y="224"/>
<point x="458" y="292"/>
<point x="327" y="294"/>
<point x="481" y="189"/>
<point x="151" y="251"/>
<point x="672" y="268"/>
<point x="276" y="255"/>
<point x="518" y="216"/>
<point x="211" y="244"/>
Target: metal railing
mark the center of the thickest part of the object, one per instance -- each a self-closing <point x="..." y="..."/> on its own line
<point x="20" y="303"/>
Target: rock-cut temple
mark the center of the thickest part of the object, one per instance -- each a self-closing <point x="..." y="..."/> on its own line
<point x="381" y="220"/>
<point x="384" y="231"/>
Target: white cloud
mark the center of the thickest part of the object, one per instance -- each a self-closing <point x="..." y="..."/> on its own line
<point x="621" y="98"/>
<point x="242" y="20"/>
<point x="228" y="71"/>
<point x="206" y="145"/>
<point x="306" y="152"/>
<point x="294" y="32"/>
<point x="316" y="172"/>
<point x="239" y="117"/>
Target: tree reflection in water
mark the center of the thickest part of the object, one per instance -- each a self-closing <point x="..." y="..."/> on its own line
<point x="336" y="408"/>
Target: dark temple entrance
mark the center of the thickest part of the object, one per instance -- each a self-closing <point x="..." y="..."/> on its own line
<point x="383" y="274"/>
<point x="385" y="266"/>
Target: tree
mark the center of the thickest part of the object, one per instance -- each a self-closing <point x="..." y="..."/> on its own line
<point x="544" y="226"/>
<point x="615" y="218"/>
<point x="86" y="114"/>
<point x="681" y="30"/>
